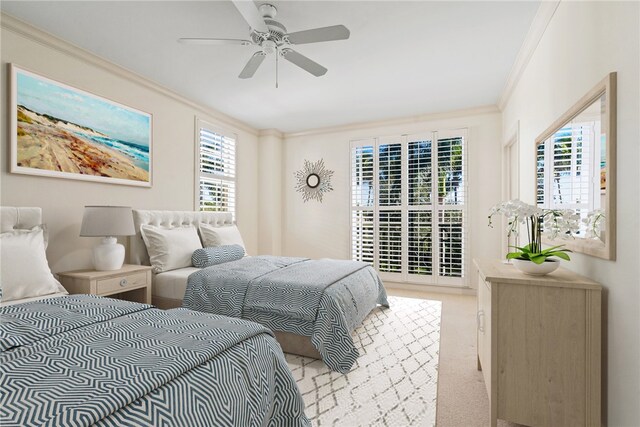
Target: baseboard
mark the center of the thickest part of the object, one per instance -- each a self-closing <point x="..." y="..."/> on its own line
<point x="455" y="290"/>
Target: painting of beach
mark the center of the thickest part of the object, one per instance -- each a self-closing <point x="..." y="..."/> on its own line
<point x="61" y="131"/>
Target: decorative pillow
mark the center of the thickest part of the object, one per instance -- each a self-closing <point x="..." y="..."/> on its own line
<point x="206" y="257"/>
<point x="170" y="248"/>
<point x="43" y="227"/>
<point x="25" y="272"/>
<point x="220" y="236"/>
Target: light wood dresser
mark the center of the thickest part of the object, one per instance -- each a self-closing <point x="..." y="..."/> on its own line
<point x="539" y="345"/>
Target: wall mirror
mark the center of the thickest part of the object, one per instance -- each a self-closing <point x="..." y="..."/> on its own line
<point x="576" y="169"/>
<point x="313" y="180"/>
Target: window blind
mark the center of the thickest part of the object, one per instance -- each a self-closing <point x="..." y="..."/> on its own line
<point x="408" y="206"/>
<point x="420" y="213"/>
<point x="570" y="165"/>
<point x="362" y="236"/>
<point x="362" y="198"/>
<point x="540" y="175"/>
<point x="390" y="241"/>
<point x="450" y="207"/>
<point x="420" y="243"/>
<point x="566" y="183"/>
<point x="390" y="174"/>
<point x="217" y="170"/>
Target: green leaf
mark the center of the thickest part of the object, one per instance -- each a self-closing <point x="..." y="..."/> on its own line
<point x="553" y="248"/>
<point x="512" y="255"/>
<point x="538" y="259"/>
<point x="560" y="255"/>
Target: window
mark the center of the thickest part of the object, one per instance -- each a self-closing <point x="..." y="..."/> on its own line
<point x="216" y="161"/>
<point x="407" y="221"/>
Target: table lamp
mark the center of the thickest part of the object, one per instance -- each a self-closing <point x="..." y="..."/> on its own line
<point x="107" y="222"/>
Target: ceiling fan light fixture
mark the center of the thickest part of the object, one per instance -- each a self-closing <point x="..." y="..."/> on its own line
<point x="268" y="10"/>
<point x="269" y="47"/>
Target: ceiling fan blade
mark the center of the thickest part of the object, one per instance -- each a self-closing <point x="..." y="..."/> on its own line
<point x="324" y="34"/>
<point x="210" y="41"/>
<point x="304" y="62"/>
<point x="250" y="13"/>
<point x="250" y="69"/>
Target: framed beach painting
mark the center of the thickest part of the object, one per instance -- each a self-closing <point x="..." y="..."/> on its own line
<point x="63" y="132"/>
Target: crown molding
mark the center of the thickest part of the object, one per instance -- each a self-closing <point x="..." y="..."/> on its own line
<point x="541" y="20"/>
<point x="487" y="109"/>
<point x="37" y="35"/>
<point x="270" y="132"/>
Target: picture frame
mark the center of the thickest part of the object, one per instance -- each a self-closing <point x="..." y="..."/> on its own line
<point x="60" y="131"/>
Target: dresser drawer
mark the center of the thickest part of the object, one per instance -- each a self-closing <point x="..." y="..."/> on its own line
<point x="121" y="283"/>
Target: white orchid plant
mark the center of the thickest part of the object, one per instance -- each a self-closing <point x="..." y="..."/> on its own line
<point x="594" y="223"/>
<point x="552" y="223"/>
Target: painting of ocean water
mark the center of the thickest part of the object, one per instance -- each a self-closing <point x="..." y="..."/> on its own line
<point x="61" y="131"/>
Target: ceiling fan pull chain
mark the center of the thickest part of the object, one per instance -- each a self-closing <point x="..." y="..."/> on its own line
<point x="277" y="55"/>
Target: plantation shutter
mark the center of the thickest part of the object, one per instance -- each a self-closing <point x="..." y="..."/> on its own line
<point x="571" y="157"/>
<point x="362" y="201"/>
<point x="390" y="205"/>
<point x="540" y="175"/>
<point x="571" y="164"/>
<point x="420" y="207"/>
<point x="407" y="220"/>
<point x="217" y="170"/>
<point x="451" y="193"/>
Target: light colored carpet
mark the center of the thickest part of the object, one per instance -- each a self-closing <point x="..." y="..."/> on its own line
<point x="393" y="383"/>
<point x="462" y="396"/>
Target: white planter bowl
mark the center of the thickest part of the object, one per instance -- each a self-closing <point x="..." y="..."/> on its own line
<point x="533" y="269"/>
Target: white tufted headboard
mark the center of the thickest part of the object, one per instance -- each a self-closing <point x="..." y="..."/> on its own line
<point x="15" y="218"/>
<point x="137" y="249"/>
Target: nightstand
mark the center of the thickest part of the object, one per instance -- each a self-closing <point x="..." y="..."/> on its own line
<point x="131" y="283"/>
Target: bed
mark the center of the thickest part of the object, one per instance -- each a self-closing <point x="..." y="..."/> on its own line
<point x="87" y="360"/>
<point x="312" y="306"/>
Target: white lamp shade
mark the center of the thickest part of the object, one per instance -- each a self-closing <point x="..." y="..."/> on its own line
<point x="101" y="221"/>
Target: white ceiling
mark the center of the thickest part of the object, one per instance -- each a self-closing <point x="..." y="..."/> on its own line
<point x="403" y="58"/>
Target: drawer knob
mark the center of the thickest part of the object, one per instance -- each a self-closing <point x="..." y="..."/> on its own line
<point x="124" y="282"/>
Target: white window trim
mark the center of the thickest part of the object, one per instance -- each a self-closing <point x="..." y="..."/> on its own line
<point x="509" y="192"/>
<point x="201" y="123"/>
<point x="405" y="277"/>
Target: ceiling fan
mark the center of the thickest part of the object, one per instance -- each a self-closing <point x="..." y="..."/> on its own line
<point x="272" y="38"/>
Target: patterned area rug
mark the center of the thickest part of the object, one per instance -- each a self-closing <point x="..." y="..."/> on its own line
<point x="393" y="383"/>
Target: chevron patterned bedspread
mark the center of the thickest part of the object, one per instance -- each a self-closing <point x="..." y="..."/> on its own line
<point x="84" y="360"/>
<point x="322" y="299"/>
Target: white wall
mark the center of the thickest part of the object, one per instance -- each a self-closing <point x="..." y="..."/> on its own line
<point x="63" y="200"/>
<point x="582" y="44"/>
<point x="319" y="230"/>
<point x="270" y="192"/>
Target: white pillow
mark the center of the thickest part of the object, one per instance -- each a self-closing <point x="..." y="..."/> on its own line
<point x="43" y="227"/>
<point x="220" y="236"/>
<point x="25" y="272"/>
<point x="170" y="248"/>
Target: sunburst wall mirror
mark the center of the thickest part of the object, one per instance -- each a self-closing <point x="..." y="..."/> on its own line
<point x="313" y="180"/>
